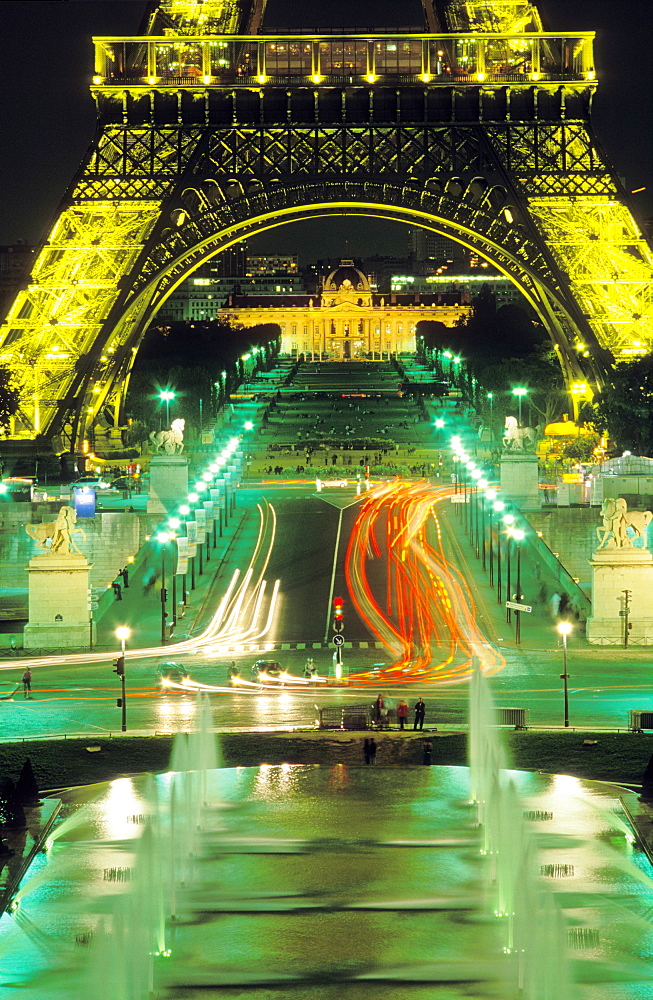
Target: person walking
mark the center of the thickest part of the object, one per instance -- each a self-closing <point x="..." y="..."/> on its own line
<point x="372" y="746"/>
<point x="367" y="753"/>
<point x="27" y="683"/>
<point x="117" y="590"/>
<point x="402" y="713"/>
<point x="379" y="710"/>
<point x="420" y="711"/>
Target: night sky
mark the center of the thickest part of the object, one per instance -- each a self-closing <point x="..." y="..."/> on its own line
<point x="47" y="115"/>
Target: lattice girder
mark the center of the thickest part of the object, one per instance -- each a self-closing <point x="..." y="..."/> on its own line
<point x="610" y="267"/>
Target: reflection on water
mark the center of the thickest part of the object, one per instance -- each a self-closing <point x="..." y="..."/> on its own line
<point x="328" y="873"/>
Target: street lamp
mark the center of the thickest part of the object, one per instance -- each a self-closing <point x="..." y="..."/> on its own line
<point x="163" y="538"/>
<point x="166" y="395"/>
<point x="564" y="628"/>
<point x="495" y="508"/>
<point x="476" y="476"/>
<point x="508" y="520"/>
<point x="519" y="391"/>
<point x="482" y="485"/>
<point x="123" y="633"/>
<point x="518" y="536"/>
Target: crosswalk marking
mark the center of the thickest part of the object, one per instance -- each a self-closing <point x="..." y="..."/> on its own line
<point x="270" y="647"/>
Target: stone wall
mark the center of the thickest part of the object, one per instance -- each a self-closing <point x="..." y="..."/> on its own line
<point x="570" y="533"/>
<point x="111" y="538"/>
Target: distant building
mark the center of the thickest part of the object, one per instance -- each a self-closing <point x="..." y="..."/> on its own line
<point x="346" y="319"/>
<point x="201" y="296"/>
<point x="464" y="283"/>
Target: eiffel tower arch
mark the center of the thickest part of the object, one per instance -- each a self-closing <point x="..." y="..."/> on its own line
<point x="209" y="132"/>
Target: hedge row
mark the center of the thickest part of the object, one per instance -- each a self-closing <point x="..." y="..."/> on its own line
<point x="619" y="757"/>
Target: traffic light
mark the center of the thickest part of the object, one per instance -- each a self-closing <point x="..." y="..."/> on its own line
<point x="164" y="595"/>
<point x="338" y="614"/>
<point x="119" y="666"/>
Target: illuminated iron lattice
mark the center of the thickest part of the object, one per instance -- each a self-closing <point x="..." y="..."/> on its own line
<point x="478" y="128"/>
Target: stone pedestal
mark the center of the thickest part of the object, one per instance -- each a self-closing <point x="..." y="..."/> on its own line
<point x="613" y="571"/>
<point x="168" y="483"/>
<point x="519" y="479"/>
<point x="58" y="602"/>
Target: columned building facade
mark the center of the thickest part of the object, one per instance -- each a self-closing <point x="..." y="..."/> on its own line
<point x="346" y="321"/>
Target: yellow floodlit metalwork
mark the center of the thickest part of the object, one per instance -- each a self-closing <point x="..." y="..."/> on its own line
<point x="599" y="245"/>
<point x="191" y="17"/>
<point x="75" y="280"/>
<point x="492" y="15"/>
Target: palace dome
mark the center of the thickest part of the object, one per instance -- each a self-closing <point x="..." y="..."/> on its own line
<point x="346" y="278"/>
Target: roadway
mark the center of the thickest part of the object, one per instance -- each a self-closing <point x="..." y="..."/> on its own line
<point x="307" y="556"/>
<point x="418" y="613"/>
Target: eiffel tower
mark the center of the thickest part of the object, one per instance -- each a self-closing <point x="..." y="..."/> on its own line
<point x="209" y="131"/>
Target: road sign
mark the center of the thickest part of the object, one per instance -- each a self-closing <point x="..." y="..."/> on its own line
<point x="623" y="614"/>
<point x="459" y="498"/>
<point x="519" y="607"/>
<point x="338" y="640"/>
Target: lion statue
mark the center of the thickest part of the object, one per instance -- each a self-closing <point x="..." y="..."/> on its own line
<point x="56" y="536"/>
<point x="171" y="442"/>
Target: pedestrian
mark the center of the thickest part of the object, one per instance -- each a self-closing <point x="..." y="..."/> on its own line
<point x="233" y="669"/>
<point x="420" y="710"/>
<point x="379" y="710"/>
<point x="372" y="746"/>
<point x="124" y="573"/>
<point x="402" y="713"/>
<point x="428" y="747"/>
<point x="117" y="590"/>
<point x="27" y="683"/>
<point x="367" y="753"/>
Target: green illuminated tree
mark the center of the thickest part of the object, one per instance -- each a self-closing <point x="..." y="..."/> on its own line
<point x="625" y="410"/>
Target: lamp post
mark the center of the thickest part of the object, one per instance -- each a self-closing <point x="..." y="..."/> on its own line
<point x="519" y="391"/>
<point x="508" y="521"/>
<point x="163" y="537"/>
<point x="174" y="523"/>
<point x="482" y="486"/>
<point x="166" y="395"/>
<point x="518" y="536"/>
<point x="564" y="628"/>
<point x="476" y="475"/>
<point x="123" y="634"/>
<point x="184" y="510"/>
<point x="470" y="466"/>
<point x="496" y="508"/>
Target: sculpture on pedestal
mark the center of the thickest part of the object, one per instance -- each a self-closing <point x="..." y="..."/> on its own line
<point x="517" y="438"/>
<point x="55" y="537"/>
<point x="613" y="533"/>
<point x="170" y="442"/>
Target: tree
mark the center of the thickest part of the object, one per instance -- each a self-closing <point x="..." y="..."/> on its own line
<point x="27" y="791"/>
<point x="625" y="409"/>
<point x="580" y="449"/>
<point x="9" y="396"/>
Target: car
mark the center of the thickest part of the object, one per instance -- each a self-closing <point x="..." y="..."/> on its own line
<point x="92" y="482"/>
<point x="270" y="667"/>
<point x="171" y="673"/>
